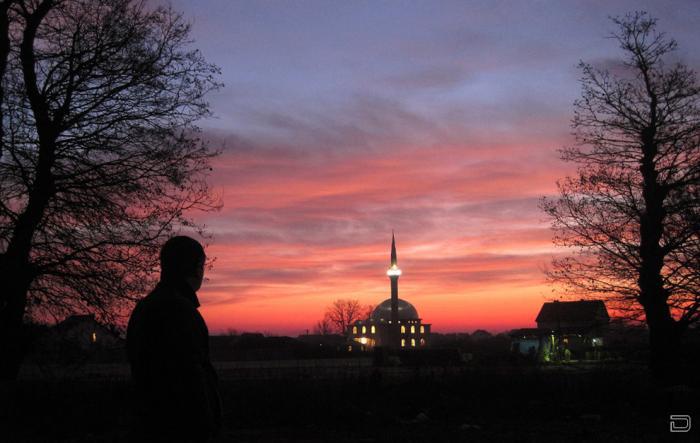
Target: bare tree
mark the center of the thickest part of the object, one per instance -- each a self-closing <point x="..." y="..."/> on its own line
<point x="101" y="160"/>
<point x="323" y="327"/>
<point x="342" y="313"/>
<point x="367" y="312"/>
<point x="632" y="212"/>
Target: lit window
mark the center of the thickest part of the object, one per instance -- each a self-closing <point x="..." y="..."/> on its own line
<point x="373" y="329"/>
<point x="403" y="342"/>
<point x="354" y="329"/>
<point x="422" y="342"/>
<point x="364" y="329"/>
<point x="349" y="348"/>
<point x="94" y="337"/>
<point x="413" y="342"/>
<point x="403" y="329"/>
<point x="413" y="329"/>
<point x="422" y="329"/>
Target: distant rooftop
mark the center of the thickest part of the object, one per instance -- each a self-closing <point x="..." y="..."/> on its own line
<point x="573" y="311"/>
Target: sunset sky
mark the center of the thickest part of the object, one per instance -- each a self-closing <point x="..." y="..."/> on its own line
<point x="340" y="121"/>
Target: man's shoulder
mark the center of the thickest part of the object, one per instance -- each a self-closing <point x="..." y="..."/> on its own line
<point x="163" y="308"/>
<point x="149" y="302"/>
<point x="164" y="301"/>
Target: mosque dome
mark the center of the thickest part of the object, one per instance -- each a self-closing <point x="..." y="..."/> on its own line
<point x="383" y="311"/>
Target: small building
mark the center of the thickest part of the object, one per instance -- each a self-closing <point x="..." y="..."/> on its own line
<point x="565" y="331"/>
<point x="582" y="315"/>
<point x="394" y="323"/>
<point x="77" y="340"/>
<point x="526" y="341"/>
<point x="87" y="333"/>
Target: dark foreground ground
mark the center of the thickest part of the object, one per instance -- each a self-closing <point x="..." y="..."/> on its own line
<point x="604" y="404"/>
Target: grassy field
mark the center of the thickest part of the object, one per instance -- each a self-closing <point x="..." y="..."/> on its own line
<point x="497" y="404"/>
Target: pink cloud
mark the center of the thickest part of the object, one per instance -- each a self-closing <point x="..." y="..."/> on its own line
<point x="300" y="229"/>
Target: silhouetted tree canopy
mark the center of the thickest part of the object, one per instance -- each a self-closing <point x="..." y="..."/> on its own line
<point x="340" y="315"/>
<point x="631" y="214"/>
<point x="100" y="158"/>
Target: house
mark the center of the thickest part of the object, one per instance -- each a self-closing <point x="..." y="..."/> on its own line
<point x="87" y="333"/>
<point x="565" y="331"/>
<point x="582" y="315"/>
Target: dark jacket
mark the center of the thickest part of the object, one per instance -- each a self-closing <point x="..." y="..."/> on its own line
<point x="175" y="384"/>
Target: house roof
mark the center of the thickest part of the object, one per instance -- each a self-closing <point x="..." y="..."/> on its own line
<point x="573" y="311"/>
<point x="75" y="320"/>
<point x="88" y="320"/>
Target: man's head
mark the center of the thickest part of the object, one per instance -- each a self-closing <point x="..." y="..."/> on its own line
<point x="182" y="258"/>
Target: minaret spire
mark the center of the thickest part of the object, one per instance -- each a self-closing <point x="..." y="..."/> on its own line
<point x="394" y="272"/>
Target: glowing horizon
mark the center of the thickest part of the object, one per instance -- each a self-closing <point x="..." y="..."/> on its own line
<point x="342" y="121"/>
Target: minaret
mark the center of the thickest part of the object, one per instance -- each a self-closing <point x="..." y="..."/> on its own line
<point x="394" y="272"/>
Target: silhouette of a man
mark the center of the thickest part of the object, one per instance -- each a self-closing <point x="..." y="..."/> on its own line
<point x="177" y="397"/>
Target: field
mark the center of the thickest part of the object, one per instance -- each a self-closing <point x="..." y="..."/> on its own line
<point x="352" y="401"/>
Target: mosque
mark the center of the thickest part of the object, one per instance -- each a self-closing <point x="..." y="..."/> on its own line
<point x="394" y="323"/>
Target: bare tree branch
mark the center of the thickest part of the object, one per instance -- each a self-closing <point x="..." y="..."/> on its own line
<point x="101" y="159"/>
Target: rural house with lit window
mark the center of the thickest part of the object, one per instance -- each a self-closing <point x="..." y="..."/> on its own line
<point x="565" y="330"/>
<point x="86" y="332"/>
<point x="394" y="323"/>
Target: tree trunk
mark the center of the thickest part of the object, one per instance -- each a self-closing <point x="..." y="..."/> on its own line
<point x="4" y="53"/>
<point x="17" y="274"/>
<point x="16" y="270"/>
<point x="664" y="343"/>
<point x="663" y="330"/>
<point x="12" y="307"/>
